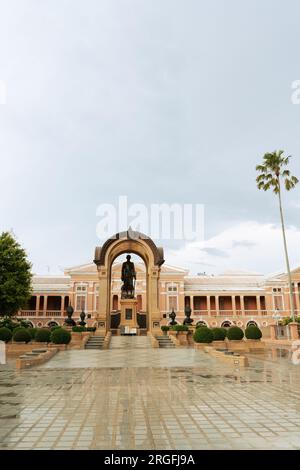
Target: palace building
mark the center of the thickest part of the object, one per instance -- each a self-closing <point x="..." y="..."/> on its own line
<point x="239" y="298"/>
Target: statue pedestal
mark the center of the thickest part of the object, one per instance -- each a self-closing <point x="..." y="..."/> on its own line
<point x="128" y="314"/>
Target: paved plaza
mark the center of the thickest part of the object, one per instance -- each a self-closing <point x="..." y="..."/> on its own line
<point x="135" y="397"/>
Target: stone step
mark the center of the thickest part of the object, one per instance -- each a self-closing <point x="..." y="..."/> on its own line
<point x="165" y="342"/>
<point x="95" y="342"/>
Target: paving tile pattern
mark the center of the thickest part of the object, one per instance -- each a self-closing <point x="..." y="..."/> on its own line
<point x="149" y="399"/>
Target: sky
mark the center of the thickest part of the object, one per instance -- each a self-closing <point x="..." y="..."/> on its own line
<point x="164" y="101"/>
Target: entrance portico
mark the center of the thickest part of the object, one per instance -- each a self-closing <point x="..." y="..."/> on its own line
<point x="129" y="242"/>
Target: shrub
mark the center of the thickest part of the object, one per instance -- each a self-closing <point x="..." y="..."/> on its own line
<point x="287" y="320"/>
<point x="91" y="328"/>
<point x="203" y="335"/>
<point x="219" y="334"/>
<point x="43" y="335"/>
<point x="165" y="328"/>
<point x="201" y="325"/>
<point x="235" y="333"/>
<point x="8" y="323"/>
<point x="32" y="332"/>
<point x="253" y="332"/>
<point x="21" y="335"/>
<point x="54" y="327"/>
<point x="179" y="328"/>
<point x="78" y="329"/>
<point x="60" y="336"/>
<point x="5" y="334"/>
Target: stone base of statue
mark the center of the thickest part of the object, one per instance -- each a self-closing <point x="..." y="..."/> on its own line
<point x="128" y="323"/>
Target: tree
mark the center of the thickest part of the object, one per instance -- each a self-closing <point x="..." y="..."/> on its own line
<point x="274" y="175"/>
<point x="15" y="276"/>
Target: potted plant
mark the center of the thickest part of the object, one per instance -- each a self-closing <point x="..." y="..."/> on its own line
<point x="165" y="329"/>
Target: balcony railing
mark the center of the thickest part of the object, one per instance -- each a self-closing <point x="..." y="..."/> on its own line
<point x="231" y="313"/>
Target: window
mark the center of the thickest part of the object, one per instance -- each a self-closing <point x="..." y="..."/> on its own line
<point x="81" y="287"/>
<point x="80" y="302"/>
<point x="277" y="289"/>
<point x="173" y="304"/>
<point x="172" y="288"/>
<point x="278" y="302"/>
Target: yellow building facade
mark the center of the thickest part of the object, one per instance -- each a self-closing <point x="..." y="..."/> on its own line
<point x="215" y="300"/>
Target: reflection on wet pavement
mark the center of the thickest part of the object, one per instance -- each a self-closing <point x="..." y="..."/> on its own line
<point x="152" y="399"/>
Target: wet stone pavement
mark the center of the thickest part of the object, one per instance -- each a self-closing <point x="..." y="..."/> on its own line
<point x="150" y="399"/>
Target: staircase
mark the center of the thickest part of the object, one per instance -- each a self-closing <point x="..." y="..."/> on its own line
<point x="95" y="342"/>
<point x="165" y="342"/>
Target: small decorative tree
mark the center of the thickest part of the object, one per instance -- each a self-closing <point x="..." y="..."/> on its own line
<point x="15" y="276"/>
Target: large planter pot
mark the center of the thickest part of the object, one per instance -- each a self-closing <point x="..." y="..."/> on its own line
<point x="182" y="337"/>
<point x="219" y="344"/>
<point x="172" y="333"/>
<point x="200" y="346"/>
<point x="255" y="344"/>
<point x="237" y="345"/>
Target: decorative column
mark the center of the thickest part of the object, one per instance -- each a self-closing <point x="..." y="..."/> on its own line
<point x="233" y="305"/>
<point x="37" y="305"/>
<point x="62" y="304"/>
<point x="192" y="302"/>
<point x="242" y="305"/>
<point x="45" y="305"/>
<point x="102" y="319"/>
<point x="217" y="304"/>
<point x="258" y="306"/>
<point x="208" y="304"/>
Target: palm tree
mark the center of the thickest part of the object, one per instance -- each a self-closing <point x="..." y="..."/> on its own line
<point x="273" y="173"/>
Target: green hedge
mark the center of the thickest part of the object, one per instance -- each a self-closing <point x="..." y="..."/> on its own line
<point x="179" y="328"/>
<point x="32" y="332"/>
<point x="78" y="329"/>
<point x="91" y="328"/>
<point x="235" y="333"/>
<point x="253" y="332"/>
<point x="43" y="335"/>
<point x="5" y="334"/>
<point x="60" y="336"/>
<point x="165" y="328"/>
<point x="203" y="335"/>
<point x="21" y="335"/>
<point x="219" y="334"/>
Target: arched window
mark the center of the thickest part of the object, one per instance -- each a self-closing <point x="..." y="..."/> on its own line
<point x="252" y="323"/>
<point x="226" y="324"/>
<point x="201" y="323"/>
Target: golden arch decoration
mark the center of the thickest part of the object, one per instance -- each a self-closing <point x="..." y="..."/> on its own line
<point x="129" y="242"/>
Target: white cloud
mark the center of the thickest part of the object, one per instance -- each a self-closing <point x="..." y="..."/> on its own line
<point x="249" y="246"/>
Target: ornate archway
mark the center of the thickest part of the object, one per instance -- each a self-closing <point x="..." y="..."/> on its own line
<point x="129" y="242"/>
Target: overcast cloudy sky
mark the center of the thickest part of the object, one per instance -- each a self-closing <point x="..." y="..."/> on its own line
<point x="160" y="100"/>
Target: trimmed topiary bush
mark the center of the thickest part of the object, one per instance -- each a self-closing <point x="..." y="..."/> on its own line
<point x="54" y="327"/>
<point x="21" y="335"/>
<point x="32" y="332"/>
<point x="78" y="329"/>
<point x="5" y="334"/>
<point x="179" y="328"/>
<point x="235" y="333"/>
<point x="43" y="335"/>
<point x="203" y="335"/>
<point x="253" y="332"/>
<point x="60" y="336"/>
<point x="219" y="334"/>
<point x="165" y="328"/>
